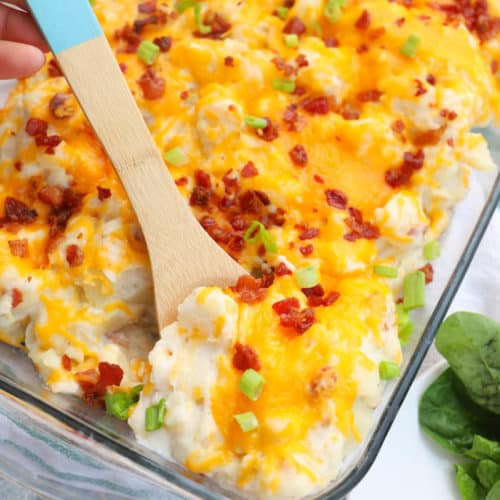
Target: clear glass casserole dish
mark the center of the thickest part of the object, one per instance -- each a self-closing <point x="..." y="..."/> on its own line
<point x="106" y="440"/>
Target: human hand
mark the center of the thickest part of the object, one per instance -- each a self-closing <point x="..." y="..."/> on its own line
<point x="22" y="46"/>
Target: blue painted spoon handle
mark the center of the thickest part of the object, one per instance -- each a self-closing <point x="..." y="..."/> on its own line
<point x="65" y="23"/>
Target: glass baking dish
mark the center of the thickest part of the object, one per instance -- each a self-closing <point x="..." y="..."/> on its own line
<point x="91" y="431"/>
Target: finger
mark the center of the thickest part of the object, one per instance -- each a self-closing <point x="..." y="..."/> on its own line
<point x="18" y="60"/>
<point x="19" y="27"/>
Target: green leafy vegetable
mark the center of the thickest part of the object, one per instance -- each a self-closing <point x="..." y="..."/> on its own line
<point x="470" y="489"/>
<point x="450" y="418"/>
<point x="483" y="448"/>
<point x="471" y="344"/>
<point x="488" y="473"/>
<point x="494" y="493"/>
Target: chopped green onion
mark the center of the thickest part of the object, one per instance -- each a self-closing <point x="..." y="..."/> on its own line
<point x="148" y="52"/>
<point x="291" y="41"/>
<point x="405" y="325"/>
<point x="118" y="403"/>
<point x="386" y="271"/>
<point x="388" y="370"/>
<point x="432" y="250"/>
<point x="414" y="290"/>
<point x="315" y="26"/>
<point x="176" y="157"/>
<point x="282" y="12"/>
<point x="307" y="277"/>
<point x="252" y="384"/>
<point x="258" y="232"/>
<point x="202" y="28"/>
<point x="183" y="5"/>
<point x="333" y="10"/>
<point x="409" y="48"/>
<point x="247" y="421"/>
<point x="255" y="121"/>
<point x="284" y="85"/>
<point x="155" y="416"/>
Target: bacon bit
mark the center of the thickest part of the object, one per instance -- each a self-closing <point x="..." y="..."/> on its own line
<point x="294" y="26"/>
<point x="181" y="181"/>
<point x="54" y="69"/>
<point x="249" y="290"/>
<point x="302" y="61"/>
<point x="309" y="233"/>
<point x="219" y="26"/>
<point x="66" y="362"/>
<point x="317" y="105"/>
<point x="421" y="90"/>
<point x="399" y="22"/>
<point x="200" y="196"/>
<point x="18" y="165"/>
<point x="494" y="66"/>
<point x="123" y="68"/>
<point x="359" y="228"/>
<point x="245" y="358"/>
<point x="449" y="115"/>
<point x="51" y="195"/>
<point x="231" y="183"/>
<point x="396" y="177"/>
<point x="202" y="179"/>
<point x="323" y="383"/>
<point x="270" y="132"/>
<point x="306" y="250"/>
<point x="94" y="384"/>
<point x="147" y="7"/>
<point x="291" y="118"/>
<point x="103" y="193"/>
<point x="267" y="279"/>
<point x="298" y="155"/>
<point x="17" y="297"/>
<point x="285" y="306"/>
<point x="74" y="255"/>
<point x="152" y="85"/>
<point x="450" y="142"/>
<point x="164" y="42"/>
<point x="17" y="211"/>
<point x="158" y="19"/>
<point x="428" y="270"/>
<point x="430" y="79"/>
<point x="249" y="170"/>
<point x="60" y="107"/>
<point x="292" y="317"/>
<point x="132" y="39"/>
<point x="372" y="95"/>
<point x="318" y="179"/>
<point x="377" y="33"/>
<point x="362" y="48"/>
<point x="316" y="297"/>
<point x="184" y="95"/>
<point x="229" y="61"/>
<point x="36" y="127"/>
<point x="19" y="248"/>
<point x="348" y="111"/>
<point x="363" y="21"/>
<point x="282" y="270"/>
<point x="398" y="126"/>
<point x="238" y="223"/>
<point x="429" y="138"/>
<point x="51" y="141"/>
<point x="331" y="42"/>
<point x="336" y="198"/>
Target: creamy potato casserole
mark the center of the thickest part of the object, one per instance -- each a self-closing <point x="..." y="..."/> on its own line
<point x="323" y="144"/>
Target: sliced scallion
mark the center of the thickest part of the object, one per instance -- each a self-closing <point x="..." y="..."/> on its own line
<point x="155" y="416"/>
<point x="409" y="48"/>
<point x="118" y="403"/>
<point x="252" y="384"/>
<point x="183" y="5"/>
<point x="247" y="421"/>
<point x="388" y="370"/>
<point x="386" y="271"/>
<point x="405" y="325"/>
<point x="432" y="250"/>
<point x="202" y="28"/>
<point x="291" y="40"/>
<point x="284" y="85"/>
<point x="307" y="277"/>
<point x="255" y="122"/>
<point x="414" y="290"/>
<point x="258" y="232"/>
<point x="333" y="10"/>
<point x="175" y="156"/>
<point x="282" y="12"/>
<point x="148" y="52"/>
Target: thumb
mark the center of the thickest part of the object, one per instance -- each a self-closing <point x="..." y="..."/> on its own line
<point x="18" y="60"/>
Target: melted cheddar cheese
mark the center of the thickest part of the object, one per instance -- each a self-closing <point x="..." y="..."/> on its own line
<point x="363" y="150"/>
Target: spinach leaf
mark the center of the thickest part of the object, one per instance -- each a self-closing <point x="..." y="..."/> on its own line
<point x="488" y="473"/>
<point x="450" y="418"/>
<point x="484" y="448"/>
<point x="469" y="488"/>
<point x="471" y="344"/>
<point x="494" y="493"/>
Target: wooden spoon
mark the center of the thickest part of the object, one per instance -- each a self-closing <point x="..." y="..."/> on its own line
<point x="182" y="255"/>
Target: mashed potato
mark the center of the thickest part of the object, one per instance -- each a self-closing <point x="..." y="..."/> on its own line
<point x="315" y="141"/>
